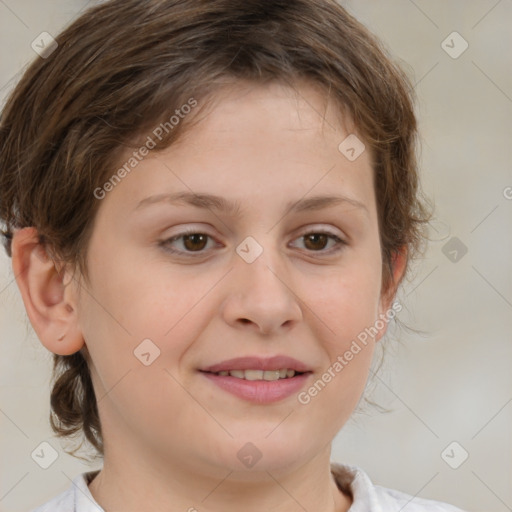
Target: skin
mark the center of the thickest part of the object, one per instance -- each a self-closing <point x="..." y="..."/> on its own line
<point x="171" y="437"/>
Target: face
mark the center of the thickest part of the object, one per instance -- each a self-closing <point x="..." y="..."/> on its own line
<point x="205" y="282"/>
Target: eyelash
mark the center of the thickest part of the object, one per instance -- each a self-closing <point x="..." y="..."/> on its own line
<point x="340" y="244"/>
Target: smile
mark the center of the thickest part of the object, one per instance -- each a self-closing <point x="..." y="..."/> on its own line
<point x="258" y="386"/>
<point x="268" y="375"/>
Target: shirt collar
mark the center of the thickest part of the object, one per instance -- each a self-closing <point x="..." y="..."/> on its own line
<point x="84" y="501"/>
<point x="363" y="491"/>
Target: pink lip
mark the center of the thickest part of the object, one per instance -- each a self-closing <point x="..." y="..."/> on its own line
<point x="259" y="391"/>
<point x="258" y="363"/>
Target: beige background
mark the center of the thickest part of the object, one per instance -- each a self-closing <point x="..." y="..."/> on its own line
<point x="451" y="383"/>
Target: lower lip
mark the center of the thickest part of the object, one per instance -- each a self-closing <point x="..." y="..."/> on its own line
<point x="259" y="391"/>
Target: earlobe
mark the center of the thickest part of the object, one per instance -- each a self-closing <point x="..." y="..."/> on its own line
<point x="398" y="263"/>
<point x="48" y="295"/>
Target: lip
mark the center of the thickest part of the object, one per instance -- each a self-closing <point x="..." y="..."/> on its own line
<point x="259" y="391"/>
<point x="259" y="363"/>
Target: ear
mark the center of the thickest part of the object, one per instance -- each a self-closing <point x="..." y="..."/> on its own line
<point x="387" y="311"/>
<point x="49" y="295"/>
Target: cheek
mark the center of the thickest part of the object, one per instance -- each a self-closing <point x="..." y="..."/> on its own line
<point x="127" y="309"/>
<point x="348" y="307"/>
<point x="346" y="301"/>
<point x="153" y="302"/>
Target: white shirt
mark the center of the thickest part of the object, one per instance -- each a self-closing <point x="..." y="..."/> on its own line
<point x="367" y="497"/>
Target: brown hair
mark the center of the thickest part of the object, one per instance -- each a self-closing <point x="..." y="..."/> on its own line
<point x="125" y="66"/>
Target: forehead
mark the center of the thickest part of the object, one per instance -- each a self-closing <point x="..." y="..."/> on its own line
<point x="273" y="107"/>
<point x="259" y="141"/>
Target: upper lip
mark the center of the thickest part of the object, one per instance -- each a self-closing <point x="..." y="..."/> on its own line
<point x="258" y="363"/>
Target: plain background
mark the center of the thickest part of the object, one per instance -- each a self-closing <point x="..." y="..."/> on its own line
<point x="452" y="382"/>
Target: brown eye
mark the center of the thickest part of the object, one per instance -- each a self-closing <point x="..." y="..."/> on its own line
<point x="316" y="241"/>
<point x="188" y="244"/>
<point x="319" y="242"/>
<point x="195" y="242"/>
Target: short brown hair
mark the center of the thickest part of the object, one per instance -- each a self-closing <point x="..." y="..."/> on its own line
<point x="125" y="66"/>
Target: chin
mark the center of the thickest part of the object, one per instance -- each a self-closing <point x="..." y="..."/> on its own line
<point x="277" y="454"/>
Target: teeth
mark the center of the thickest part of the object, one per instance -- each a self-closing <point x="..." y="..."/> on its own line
<point x="253" y="374"/>
<point x="269" y="375"/>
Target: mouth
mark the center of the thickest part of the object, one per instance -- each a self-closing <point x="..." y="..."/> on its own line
<point x="267" y="375"/>
<point x="259" y="380"/>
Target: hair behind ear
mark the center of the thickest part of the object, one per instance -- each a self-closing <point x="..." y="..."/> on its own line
<point x="73" y="402"/>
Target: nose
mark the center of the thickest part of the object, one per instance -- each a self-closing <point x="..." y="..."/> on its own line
<point x="261" y="297"/>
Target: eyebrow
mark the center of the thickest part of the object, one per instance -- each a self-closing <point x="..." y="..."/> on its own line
<point x="234" y="208"/>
